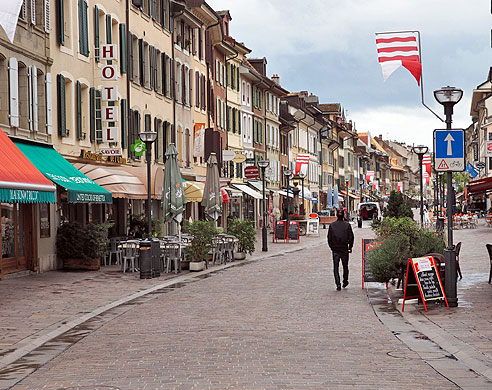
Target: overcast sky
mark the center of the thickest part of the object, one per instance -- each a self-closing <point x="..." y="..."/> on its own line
<point x="327" y="47"/>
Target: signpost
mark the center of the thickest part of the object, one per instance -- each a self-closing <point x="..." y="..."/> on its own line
<point x="422" y="272"/>
<point x="449" y="150"/>
<point x="251" y="172"/>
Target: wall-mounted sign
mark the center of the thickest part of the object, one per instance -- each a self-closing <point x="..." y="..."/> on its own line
<point x="488" y="148"/>
<point x="110" y="134"/>
<point x="138" y="147"/>
<point x="111" y="151"/>
<point x="109" y="72"/>
<point x="109" y="94"/>
<point x="110" y="114"/>
<point x="228" y="155"/>
<point x="87" y="155"/>
<point x="109" y="51"/>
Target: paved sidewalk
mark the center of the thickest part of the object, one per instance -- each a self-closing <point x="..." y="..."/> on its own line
<point x="37" y="307"/>
<point x="464" y="331"/>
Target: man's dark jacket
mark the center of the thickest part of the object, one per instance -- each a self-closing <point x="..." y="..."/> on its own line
<point x="340" y="236"/>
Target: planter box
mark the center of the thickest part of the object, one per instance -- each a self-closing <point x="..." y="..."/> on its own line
<point x="197" y="265"/>
<point x="239" y="255"/>
<point x="82" y="264"/>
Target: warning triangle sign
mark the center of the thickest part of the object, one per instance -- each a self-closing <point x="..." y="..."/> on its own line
<point x="443" y="165"/>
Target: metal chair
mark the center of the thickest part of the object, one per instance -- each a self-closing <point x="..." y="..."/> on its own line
<point x="130" y="256"/>
<point x="489" y="249"/>
<point x="172" y="255"/>
<point x="217" y="250"/>
<point x="114" y="248"/>
<point x="228" y="249"/>
<point x="457" y="251"/>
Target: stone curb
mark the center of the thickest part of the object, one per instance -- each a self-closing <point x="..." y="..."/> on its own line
<point x="29" y="344"/>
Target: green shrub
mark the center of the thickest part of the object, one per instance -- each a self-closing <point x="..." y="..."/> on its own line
<point x="202" y="232"/>
<point x="74" y="241"/>
<point x="397" y="206"/>
<point x="387" y="260"/>
<point x="245" y="232"/>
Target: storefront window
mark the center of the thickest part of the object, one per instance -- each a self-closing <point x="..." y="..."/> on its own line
<point x="12" y="230"/>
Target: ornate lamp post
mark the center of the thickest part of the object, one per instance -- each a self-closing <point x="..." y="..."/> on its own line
<point x="420" y="150"/>
<point x="263" y="164"/>
<point x="148" y="137"/>
<point x="448" y="97"/>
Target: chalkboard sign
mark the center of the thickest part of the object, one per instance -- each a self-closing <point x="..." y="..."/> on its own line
<point x="368" y="244"/>
<point x="279" y="232"/>
<point x="293" y="233"/>
<point x="423" y="272"/>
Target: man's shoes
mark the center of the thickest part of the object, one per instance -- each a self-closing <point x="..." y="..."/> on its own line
<point x="345" y="284"/>
<point x="338" y="288"/>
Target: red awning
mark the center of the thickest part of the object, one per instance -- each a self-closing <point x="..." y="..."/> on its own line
<point x="225" y="196"/>
<point x="18" y="173"/>
<point x="479" y="186"/>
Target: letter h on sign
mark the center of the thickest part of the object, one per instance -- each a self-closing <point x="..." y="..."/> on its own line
<point x="109" y="52"/>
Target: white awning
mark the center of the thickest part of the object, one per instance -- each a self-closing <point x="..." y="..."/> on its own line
<point x="248" y="190"/>
<point x="283" y="193"/>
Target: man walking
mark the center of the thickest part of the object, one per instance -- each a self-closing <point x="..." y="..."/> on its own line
<point x="341" y="241"/>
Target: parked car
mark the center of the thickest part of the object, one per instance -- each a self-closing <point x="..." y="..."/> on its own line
<point x="369" y="210"/>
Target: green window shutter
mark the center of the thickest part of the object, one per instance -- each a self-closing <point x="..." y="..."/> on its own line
<point x="96" y="33"/>
<point x="98" y="117"/>
<point x="123" y="49"/>
<point x="109" y="35"/>
<point x="60" y="22"/>
<point x="233" y="120"/>
<point x="85" y="28"/>
<point x="239" y="122"/>
<point x="78" y="100"/>
<point x="124" y="124"/>
<point x="164" y="74"/>
<point x="237" y="83"/>
<point x="92" y="98"/>
<point x="62" y="113"/>
<point x="81" y="28"/>
<point x="130" y="56"/>
<point x="232" y="75"/>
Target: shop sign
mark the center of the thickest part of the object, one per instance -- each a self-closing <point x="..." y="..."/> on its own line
<point x="117" y="159"/>
<point x="23" y="196"/>
<point x="488" y="149"/>
<point x="109" y="73"/>
<point x="86" y="155"/>
<point x="109" y="51"/>
<point x="138" y="147"/>
<point x="110" y="94"/>
<point x="110" y="114"/>
<point x="110" y="134"/>
<point x="111" y="151"/>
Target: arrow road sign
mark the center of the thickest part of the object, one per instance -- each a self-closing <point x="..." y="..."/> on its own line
<point x="449" y="150"/>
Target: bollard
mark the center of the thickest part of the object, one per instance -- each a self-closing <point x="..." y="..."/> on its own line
<point x="145" y="260"/>
<point x="156" y="258"/>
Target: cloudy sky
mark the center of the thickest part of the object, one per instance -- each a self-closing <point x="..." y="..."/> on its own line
<point x="327" y="47"/>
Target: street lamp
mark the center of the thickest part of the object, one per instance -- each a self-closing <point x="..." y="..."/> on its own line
<point x="448" y="97"/>
<point x="263" y="164"/>
<point x="302" y="176"/>
<point x="287" y="173"/>
<point x="420" y="150"/>
<point x="148" y="137"/>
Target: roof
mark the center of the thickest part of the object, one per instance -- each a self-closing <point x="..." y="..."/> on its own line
<point x="331" y="107"/>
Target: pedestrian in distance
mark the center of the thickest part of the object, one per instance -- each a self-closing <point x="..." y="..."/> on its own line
<point x="340" y="241"/>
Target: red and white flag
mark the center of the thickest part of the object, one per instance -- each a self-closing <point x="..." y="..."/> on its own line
<point x="400" y="186"/>
<point x="426" y="162"/>
<point x="399" y="49"/>
<point x="369" y="176"/>
<point x="302" y="162"/>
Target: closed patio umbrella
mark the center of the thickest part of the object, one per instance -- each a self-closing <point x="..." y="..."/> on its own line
<point x="335" y="196"/>
<point x="212" y="199"/>
<point x="329" y="198"/>
<point x="173" y="198"/>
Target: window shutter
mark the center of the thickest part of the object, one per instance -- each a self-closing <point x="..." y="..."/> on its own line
<point x="124" y="123"/>
<point x="190" y="88"/>
<point x="130" y="56"/>
<point x="237" y="79"/>
<point x="151" y="66"/>
<point x="23" y="14"/>
<point x="14" y="92"/>
<point x="78" y="102"/>
<point x="47" y="24"/>
<point x="34" y="89"/>
<point x="33" y="11"/>
<point x="98" y="117"/>
<point x="164" y="74"/>
<point x="60" y="22"/>
<point x="29" y="97"/>
<point x="154" y="10"/>
<point x="172" y="76"/>
<point x="85" y="27"/>
<point x="92" y="114"/>
<point x="96" y="33"/>
<point x="62" y="123"/>
<point x="197" y="89"/>
<point x="148" y="122"/>
<point x="233" y="76"/>
<point x="123" y="48"/>
<point x="109" y="35"/>
<point x="80" y="21"/>
<point x="202" y="91"/>
<point x="141" y="61"/>
<point x="49" y="104"/>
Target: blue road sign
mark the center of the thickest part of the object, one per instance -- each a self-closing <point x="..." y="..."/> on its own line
<point x="449" y="150"/>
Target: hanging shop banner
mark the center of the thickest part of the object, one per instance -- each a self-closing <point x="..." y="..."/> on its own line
<point x="422" y="272"/>
<point x="199" y="146"/>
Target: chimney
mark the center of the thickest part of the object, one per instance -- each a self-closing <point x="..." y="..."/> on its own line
<point x="276" y="79"/>
<point x="303" y="93"/>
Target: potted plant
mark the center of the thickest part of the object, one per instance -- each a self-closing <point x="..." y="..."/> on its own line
<point x="179" y="38"/>
<point x="245" y="232"/>
<point x="187" y="43"/>
<point x="81" y="247"/>
<point x="197" y="252"/>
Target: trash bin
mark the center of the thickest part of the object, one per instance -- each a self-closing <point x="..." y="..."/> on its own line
<point x="145" y="260"/>
<point x="156" y="258"/>
<point x="440" y="224"/>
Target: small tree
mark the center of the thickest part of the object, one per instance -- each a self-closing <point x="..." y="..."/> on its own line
<point x="397" y="206"/>
<point x="202" y="232"/>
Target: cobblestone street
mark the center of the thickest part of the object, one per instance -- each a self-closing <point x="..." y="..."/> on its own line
<point x="277" y="323"/>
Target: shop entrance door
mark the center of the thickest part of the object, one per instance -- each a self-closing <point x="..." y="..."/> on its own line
<point x="16" y="237"/>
